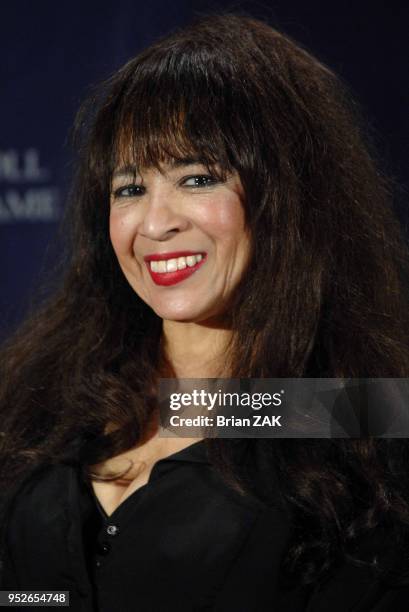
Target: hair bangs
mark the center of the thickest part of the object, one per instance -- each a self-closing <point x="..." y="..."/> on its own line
<point x="166" y="115"/>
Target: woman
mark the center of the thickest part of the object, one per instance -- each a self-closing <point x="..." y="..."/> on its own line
<point x="227" y="221"/>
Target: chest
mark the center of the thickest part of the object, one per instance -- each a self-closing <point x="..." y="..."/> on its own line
<point x="117" y="478"/>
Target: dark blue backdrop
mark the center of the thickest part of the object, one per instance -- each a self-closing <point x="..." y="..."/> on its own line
<point x="55" y="50"/>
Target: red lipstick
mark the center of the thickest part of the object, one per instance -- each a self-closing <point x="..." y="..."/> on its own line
<point x="172" y="278"/>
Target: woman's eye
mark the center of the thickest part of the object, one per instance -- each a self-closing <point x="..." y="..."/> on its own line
<point x="129" y="191"/>
<point x="199" y="180"/>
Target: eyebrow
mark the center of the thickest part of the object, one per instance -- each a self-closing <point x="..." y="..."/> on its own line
<point x="131" y="169"/>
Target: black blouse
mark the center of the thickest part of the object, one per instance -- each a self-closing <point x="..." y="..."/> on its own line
<point x="185" y="541"/>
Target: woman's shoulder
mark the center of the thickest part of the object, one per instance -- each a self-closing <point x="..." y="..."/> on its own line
<point x="43" y="496"/>
<point x="256" y="576"/>
<point x="47" y="477"/>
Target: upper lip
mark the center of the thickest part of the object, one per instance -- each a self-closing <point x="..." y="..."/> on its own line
<point x="173" y="255"/>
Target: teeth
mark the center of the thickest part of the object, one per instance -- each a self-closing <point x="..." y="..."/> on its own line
<point x="172" y="265"/>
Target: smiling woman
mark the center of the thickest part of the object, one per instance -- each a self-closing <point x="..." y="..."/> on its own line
<point x="180" y="239"/>
<point x="227" y="220"/>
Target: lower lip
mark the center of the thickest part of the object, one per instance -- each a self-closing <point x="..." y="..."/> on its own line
<point x="172" y="278"/>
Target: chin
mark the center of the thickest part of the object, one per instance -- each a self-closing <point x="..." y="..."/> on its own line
<point x="186" y="313"/>
<point x="181" y="316"/>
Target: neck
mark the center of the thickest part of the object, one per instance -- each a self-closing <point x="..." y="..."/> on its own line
<point x="196" y="350"/>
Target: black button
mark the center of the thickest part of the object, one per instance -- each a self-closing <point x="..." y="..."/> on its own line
<point x="98" y="563"/>
<point x="104" y="548"/>
<point x="112" y="530"/>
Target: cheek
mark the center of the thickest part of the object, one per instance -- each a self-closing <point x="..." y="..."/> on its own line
<point x="233" y="236"/>
<point x="224" y="219"/>
<point x="121" y="235"/>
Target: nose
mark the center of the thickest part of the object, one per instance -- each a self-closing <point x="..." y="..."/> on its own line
<point x="161" y="217"/>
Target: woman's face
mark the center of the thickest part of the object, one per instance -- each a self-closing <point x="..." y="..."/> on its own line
<point x="180" y="238"/>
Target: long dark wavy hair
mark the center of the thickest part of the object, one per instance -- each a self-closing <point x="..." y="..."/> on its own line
<point x="326" y="292"/>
